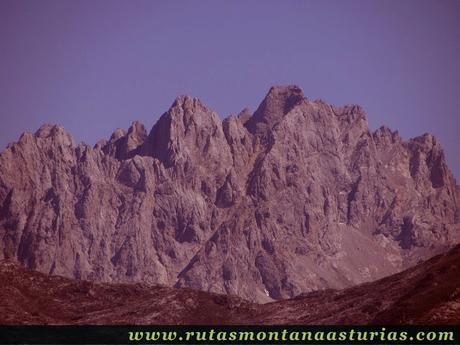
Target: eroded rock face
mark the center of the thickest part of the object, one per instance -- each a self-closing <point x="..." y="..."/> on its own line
<point x="298" y="196"/>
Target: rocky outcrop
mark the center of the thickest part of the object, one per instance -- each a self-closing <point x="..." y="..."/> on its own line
<point x="298" y="196"/>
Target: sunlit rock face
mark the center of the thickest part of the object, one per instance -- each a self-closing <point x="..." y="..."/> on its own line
<point x="298" y="196"/>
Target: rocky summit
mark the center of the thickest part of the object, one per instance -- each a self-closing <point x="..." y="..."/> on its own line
<point x="295" y="197"/>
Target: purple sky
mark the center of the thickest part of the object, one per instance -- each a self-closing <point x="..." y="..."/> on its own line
<point x="92" y="66"/>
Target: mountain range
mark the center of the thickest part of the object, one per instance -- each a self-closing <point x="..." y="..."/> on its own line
<point x="295" y="197"/>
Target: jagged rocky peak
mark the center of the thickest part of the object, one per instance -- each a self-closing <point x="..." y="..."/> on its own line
<point x="385" y="136"/>
<point x="50" y="142"/>
<point x="123" y="145"/>
<point x="191" y="134"/>
<point x="137" y="134"/>
<point x="428" y="160"/>
<point x="186" y="115"/>
<point x="51" y="130"/>
<point x="117" y="134"/>
<point x="244" y="115"/>
<point x="48" y="133"/>
<point x="277" y="103"/>
<point x="192" y="111"/>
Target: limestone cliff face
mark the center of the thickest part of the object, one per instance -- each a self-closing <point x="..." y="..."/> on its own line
<point x="296" y="197"/>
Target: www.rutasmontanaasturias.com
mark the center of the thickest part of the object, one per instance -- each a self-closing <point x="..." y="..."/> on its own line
<point x="292" y="336"/>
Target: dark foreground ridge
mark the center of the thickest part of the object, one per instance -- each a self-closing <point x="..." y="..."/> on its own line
<point x="426" y="294"/>
<point x="296" y="197"/>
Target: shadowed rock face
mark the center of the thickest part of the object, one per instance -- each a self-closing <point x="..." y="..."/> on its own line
<point x="426" y="294"/>
<point x="299" y="196"/>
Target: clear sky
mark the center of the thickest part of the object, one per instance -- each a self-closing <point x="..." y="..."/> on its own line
<point x="92" y="65"/>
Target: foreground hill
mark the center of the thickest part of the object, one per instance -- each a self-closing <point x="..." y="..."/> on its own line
<point x="295" y="197"/>
<point x="426" y="294"/>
